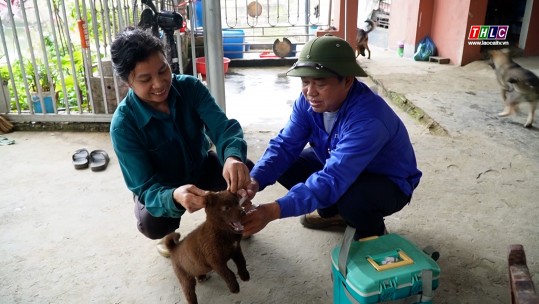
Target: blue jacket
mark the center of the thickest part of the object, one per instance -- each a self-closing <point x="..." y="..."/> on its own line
<point x="367" y="136"/>
<point x="159" y="152"/>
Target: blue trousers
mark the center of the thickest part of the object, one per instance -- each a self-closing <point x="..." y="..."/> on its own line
<point x="363" y="206"/>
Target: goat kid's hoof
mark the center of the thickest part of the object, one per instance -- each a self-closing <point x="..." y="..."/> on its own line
<point x="244" y="276"/>
<point x="235" y="288"/>
<point x="503" y="114"/>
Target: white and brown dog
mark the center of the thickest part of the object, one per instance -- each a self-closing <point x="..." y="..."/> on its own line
<point x="518" y="84"/>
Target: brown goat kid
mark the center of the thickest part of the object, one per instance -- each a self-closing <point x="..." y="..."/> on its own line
<point x="210" y="246"/>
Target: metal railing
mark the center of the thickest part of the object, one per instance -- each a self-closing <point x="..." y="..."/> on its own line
<point x="54" y="62"/>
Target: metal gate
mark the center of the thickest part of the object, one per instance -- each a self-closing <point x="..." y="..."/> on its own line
<point x="54" y="62"/>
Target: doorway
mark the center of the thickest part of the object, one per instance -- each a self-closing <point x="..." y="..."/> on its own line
<point x="511" y="13"/>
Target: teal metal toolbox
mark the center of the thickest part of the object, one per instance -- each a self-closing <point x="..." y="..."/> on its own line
<point x="384" y="269"/>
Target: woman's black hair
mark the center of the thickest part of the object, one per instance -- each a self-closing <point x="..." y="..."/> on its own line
<point x="131" y="47"/>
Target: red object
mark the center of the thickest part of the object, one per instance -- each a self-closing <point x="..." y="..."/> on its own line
<point x="83" y="32"/>
<point x="267" y="54"/>
<point x="201" y="65"/>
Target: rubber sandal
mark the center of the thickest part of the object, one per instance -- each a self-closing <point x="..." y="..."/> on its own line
<point x="162" y="248"/>
<point x="81" y="158"/>
<point x="4" y="141"/>
<point x="99" y="159"/>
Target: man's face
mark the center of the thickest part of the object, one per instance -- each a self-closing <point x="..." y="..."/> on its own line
<point x="325" y="94"/>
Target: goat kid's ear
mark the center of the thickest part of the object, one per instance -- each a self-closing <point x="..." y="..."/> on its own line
<point x="210" y="199"/>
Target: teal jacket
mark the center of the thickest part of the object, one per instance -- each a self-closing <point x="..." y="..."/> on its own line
<point x="159" y="152"/>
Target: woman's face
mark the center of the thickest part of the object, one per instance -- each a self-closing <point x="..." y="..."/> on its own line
<point x="151" y="79"/>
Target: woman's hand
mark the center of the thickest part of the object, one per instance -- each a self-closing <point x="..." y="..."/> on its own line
<point x="190" y="197"/>
<point x="236" y="174"/>
<point x="258" y="217"/>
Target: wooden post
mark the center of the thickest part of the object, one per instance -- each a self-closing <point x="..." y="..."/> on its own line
<point x="522" y="287"/>
<point x="342" y="21"/>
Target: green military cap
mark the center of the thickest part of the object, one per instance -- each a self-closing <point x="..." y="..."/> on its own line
<point x="326" y="56"/>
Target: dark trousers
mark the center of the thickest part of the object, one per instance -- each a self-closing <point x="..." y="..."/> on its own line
<point x="211" y="179"/>
<point x="363" y="206"/>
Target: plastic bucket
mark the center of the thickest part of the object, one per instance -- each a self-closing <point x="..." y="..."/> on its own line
<point x="233" y="43"/>
<point x="201" y="65"/>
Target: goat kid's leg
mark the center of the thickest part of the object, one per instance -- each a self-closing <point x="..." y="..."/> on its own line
<point x="239" y="259"/>
<point x="228" y="276"/>
<point x="368" y="50"/>
<point x="188" y="284"/>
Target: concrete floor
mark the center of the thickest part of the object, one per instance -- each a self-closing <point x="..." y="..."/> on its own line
<point x="69" y="236"/>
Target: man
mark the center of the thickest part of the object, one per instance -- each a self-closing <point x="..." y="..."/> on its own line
<point x="344" y="155"/>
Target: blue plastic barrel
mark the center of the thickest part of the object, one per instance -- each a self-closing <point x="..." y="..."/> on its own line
<point x="233" y="43"/>
<point x="199" y="22"/>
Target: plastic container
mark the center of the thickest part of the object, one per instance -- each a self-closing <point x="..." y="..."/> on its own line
<point x="199" y="22"/>
<point x="233" y="43"/>
<point x="400" y="50"/>
<point x="201" y="65"/>
<point x="49" y="108"/>
<point x="381" y="269"/>
<point x="312" y="30"/>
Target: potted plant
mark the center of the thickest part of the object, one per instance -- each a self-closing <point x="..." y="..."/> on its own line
<point x="39" y="77"/>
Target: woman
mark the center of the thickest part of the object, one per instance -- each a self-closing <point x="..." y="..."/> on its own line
<point x="162" y="133"/>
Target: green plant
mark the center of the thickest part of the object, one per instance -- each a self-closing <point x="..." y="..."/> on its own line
<point x="71" y="90"/>
<point x="42" y="80"/>
<point x="4" y="74"/>
<point x="78" y="89"/>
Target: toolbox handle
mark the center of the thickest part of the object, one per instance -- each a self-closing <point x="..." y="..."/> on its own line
<point x="345" y="248"/>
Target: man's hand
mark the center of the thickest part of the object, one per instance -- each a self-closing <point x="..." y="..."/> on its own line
<point x="258" y="217"/>
<point x="236" y="174"/>
<point x="249" y="192"/>
<point x="190" y="197"/>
